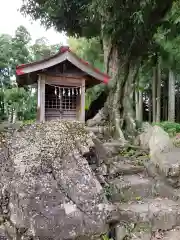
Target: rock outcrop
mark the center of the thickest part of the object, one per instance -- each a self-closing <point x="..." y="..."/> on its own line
<point x="164" y="156"/>
<point x="57" y="181"/>
<point x="155" y="139"/>
<point x="159" y="141"/>
<point x="48" y="190"/>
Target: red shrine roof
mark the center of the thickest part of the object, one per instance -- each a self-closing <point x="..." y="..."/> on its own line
<point x="64" y="54"/>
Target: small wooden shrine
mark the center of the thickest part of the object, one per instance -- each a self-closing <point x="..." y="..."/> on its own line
<point x="61" y="82"/>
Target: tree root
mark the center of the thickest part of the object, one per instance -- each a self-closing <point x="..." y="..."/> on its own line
<point x="98" y="119"/>
<point x="119" y="132"/>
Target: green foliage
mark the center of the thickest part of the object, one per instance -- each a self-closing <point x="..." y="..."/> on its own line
<point x="129" y="24"/>
<point x="42" y="49"/>
<point x="14" y="95"/>
<point x="167" y="38"/>
<point x="5" y="56"/>
<point x="93" y="93"/>
<point x="89" y="50"/>
<point x="169" y="127"/>
<point x="108" y="190"/>
<point x="14" y="51"/>
<point x="21" y="102"/>
<point x="71" y="16"/>
<point x="15" y="98"/>
<point x="20" y="48"/>
<point x="105" y="237"/>
<point x="28" y="122"/>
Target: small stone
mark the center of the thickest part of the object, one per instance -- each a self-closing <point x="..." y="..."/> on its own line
<point x="121" y="232"/>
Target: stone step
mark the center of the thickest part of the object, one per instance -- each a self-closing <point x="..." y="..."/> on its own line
<point x="166" y="164"/>
<point x="113" y="148"/>
<point x="163" y="188"/>
<point x="131" y="187"/>
<point x="122" y="168"/>
<point x="154" y="214"/>
<point x="144" y="232"/>
<point x="173" y="234"/>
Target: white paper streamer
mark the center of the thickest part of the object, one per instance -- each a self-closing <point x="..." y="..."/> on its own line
<point x="59" y="93"/>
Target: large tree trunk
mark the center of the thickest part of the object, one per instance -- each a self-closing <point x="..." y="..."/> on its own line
<point x="118" y="109"/>
<point x="171" y="102"/>
<point x="158" y="101"/>
<point x="120" y="101"/>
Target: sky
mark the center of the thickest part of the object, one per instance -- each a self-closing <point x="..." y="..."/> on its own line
<point x="11" y="18"/>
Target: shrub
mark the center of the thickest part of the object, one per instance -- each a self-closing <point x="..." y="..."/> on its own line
<point x="27" y="122"/>
<point x="170" y="127"/>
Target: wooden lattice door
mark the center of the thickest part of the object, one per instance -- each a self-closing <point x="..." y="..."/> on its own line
<point x="62" y="102"/>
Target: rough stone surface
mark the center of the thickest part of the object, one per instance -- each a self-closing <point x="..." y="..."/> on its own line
<point x="48" y="190"/>
<point x="172" y="235"/>
<point x="168" y="166"/>
<point x="164" y="157"/>
<point x="131" y="187"/>
<point x="155" y="139"/>
<point x="113" y="147"/>
<point x="145" y="136"/>
<point x="166" y="191"/>
<point x="120" y="232"/>
<point x="161" y="214"/>
<point x="141" y="236"/>
<point x="159" y="141"/>
<point x="122" y="168"/>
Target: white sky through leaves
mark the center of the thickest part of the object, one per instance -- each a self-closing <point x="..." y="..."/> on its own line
<point x="11" y="18"/>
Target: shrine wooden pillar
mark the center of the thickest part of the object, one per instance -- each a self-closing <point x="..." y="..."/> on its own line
<point x="41" y="99"/>
<point x="83" y="91"/>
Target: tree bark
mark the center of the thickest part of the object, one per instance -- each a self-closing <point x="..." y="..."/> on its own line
<point x="164" y="103"/>
<point x="150" y="108"/>
<point x="137" y="104"/>
<point x="154" y="95"/>
<point x="14" y="117"/>
<point x="171" y="102"/>
<point x="10" y="114"/>
<point x="140" y="106"/>
<point x="126" y="98"/>
<point x="158" y="99"/>
<point x="178" y="103"/>
<point x="118" y="109"/>
<point x="166" y="110"/>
